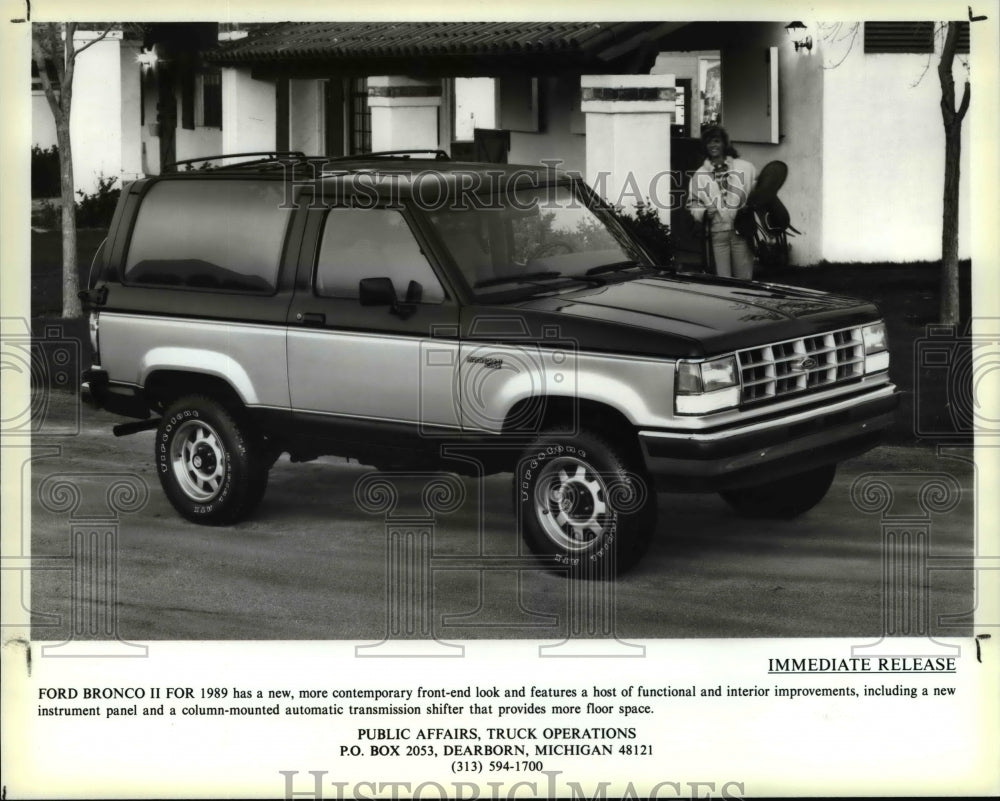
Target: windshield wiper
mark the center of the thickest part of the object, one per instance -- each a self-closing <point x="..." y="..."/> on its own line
<point x="513" y="279"/>
<point x="612" y="268"/>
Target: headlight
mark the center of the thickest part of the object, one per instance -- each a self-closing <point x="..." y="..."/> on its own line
<point x="702" y="387"/>
<point x="876" y="343"/>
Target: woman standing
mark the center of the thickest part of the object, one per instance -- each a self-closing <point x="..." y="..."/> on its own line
<point x="719" y="189"/>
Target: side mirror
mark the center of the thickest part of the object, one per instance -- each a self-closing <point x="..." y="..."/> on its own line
<point x="376" y="292"/>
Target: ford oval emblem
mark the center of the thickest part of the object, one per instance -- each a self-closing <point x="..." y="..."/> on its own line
<point x="807" y="363"/>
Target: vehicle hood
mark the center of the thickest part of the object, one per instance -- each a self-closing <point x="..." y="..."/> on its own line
<point x="687" y="316"/>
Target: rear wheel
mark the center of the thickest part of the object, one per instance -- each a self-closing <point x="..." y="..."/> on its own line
<point x="211" y="465"/>
<point x="585" y="503"/>
<point x="786" y="498"/>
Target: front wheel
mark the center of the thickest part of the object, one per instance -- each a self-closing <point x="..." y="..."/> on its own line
<point x="211" y="466"/>
<point x="786" y="498"/>
<point x="584" y="503"/>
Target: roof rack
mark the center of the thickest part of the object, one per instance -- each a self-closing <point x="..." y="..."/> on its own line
<point x="268" y="156"/>
<point x="276" y="157"/>
<point x="439" y="155"/>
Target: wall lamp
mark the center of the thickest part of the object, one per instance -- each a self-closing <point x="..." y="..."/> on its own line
<point x="796" y="31"/>
<point x="147" y="58"/>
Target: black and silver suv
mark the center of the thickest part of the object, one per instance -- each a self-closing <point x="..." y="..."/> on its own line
<point x="418" y="313"/>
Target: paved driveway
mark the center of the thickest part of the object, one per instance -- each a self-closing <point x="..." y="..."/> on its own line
<point x="314" y="564"/>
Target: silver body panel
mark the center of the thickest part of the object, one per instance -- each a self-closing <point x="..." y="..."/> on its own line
<point x="421" y="381"/>
<point x="250" y="357"/>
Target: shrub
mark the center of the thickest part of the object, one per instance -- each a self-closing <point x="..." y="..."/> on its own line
<point x="45" y="176"/>
<point x="46" y="216"/>
<point x="96" y="210"/>
<point x="647" y="227"/>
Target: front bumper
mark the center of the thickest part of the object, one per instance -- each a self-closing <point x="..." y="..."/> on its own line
<point x="755" y="453"/>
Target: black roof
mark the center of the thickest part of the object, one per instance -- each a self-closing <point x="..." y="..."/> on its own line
<point x="442" y="47"/>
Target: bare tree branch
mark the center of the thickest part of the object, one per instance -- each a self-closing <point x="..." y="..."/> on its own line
<point x="92" y="42"/>
<point x="854" y="35"/>
<point x="927" y="68"/>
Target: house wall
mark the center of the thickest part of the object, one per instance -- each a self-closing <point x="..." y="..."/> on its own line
<point x="198" y="142"/>
<point x="249" y="112"/>
<point x="305" y="116"/>
<point x="150" y="143"/>
<point x="561" y="128"/>
<point x="475" y="106"/>
<point x="801" y="131"/>
<point x="188" y="143"/>
<point x="43" y="126"/>
<point x="884" y="158"/>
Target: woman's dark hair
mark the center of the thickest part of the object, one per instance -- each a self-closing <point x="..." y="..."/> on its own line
<point x="717" y="130"/>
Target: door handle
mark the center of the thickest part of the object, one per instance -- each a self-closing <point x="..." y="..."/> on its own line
<point x="311" y="318"/>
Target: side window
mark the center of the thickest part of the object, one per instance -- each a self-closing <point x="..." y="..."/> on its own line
<point x="209" y="234"/>
<point x="372" y="243"/>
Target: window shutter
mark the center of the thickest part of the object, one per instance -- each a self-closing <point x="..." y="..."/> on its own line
<point x="963" y="38"/>
<point x="899" y="37"/>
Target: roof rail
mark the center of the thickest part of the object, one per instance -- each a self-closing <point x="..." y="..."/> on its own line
<point x="268" y="156"/>
<point x="439" y="155"/>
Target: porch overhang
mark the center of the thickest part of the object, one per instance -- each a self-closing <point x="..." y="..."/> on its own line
<point x="446" y="49"/>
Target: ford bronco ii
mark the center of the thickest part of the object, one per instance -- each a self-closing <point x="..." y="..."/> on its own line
<point x="423" y="314"/>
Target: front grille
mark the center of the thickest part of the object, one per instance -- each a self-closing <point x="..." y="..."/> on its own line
<point x="799" y="365"/>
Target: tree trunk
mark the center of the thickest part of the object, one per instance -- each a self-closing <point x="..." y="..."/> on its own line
<point x="952" y="118"/>
<point x="950" y="312"/>
<point x="70" y="275"/>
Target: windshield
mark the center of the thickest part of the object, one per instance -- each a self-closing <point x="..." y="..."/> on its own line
<point x="533" y="238"/>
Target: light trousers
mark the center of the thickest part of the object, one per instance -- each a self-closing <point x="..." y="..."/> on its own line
<point x="732" y="255"/>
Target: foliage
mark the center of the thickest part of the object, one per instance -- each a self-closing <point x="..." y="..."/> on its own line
<point x="45" y="172"/>
<point x="92" y="210"/>
<point x="46" y="216"/>
<point x="529" y="231"/>
<point x="534" y="233"/>
<point x="645" y="225"/>
<point x="96" y="210"/>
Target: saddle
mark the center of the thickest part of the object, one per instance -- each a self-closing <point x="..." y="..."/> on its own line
<point x="764" y="222"/>
<point x="764" y="208"/>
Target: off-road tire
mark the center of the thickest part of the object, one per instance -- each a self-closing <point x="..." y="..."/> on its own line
<point x="211" y="463"/>
<point x="584" y="504"/>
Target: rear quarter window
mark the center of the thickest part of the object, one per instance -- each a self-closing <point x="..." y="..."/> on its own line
<point x="212" y="235"/>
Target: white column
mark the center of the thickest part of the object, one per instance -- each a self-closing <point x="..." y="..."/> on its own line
<point x="95" y="126"/>
<point x="628" y="137"/>
<point x="404" y="112"/>
<point x="249" y="112"/>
